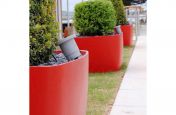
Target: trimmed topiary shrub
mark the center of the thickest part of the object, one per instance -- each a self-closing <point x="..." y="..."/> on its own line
<point x="43" y="30"/>
<point x="120" y="12"/>
<point x="96" y="17"/>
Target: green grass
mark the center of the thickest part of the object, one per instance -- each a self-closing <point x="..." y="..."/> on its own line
<point x="103" y="87"/>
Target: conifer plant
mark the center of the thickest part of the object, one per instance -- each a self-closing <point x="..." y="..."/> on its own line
<point x="120" y="12"/>
<point x="43" y="30"/>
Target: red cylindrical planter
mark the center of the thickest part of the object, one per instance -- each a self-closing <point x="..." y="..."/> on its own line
<point x="59" y="89"/>
<point x="127" y="34"/>
<point x="105" y="52"/>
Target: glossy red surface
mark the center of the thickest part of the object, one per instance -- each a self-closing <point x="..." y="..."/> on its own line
<point x="60" y="89"/>
<point x="127" y="34"/>
<point x="105" y="52"/>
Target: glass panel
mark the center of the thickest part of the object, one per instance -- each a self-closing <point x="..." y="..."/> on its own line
<point x="68" y="30"/>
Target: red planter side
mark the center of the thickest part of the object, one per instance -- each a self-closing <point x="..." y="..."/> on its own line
<point x="60" y="89"/>
<point x="127" y="34"/>
<point x="105" y="52"/>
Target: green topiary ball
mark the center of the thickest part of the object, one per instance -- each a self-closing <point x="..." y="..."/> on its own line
<point x="120" y="12"/>
<point x="43" y="30"/>
<point x="96" y="17"/>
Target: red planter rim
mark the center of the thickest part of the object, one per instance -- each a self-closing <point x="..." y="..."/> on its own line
<point x="98" y="36"/>
<point x="127" y="25"/>
<point x="83" y="52"/>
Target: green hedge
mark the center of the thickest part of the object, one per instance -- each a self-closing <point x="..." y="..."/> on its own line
<point x="43" y="30"/>
<point x="94" y="17"/>
<point x="120" y="12"/>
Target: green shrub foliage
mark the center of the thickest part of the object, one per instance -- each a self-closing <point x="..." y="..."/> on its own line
<point x="120" y="12"/>
<point x="96" y="17"/>
<point x="43" y="30"/>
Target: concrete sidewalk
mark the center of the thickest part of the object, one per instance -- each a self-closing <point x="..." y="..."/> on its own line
<point x="131" y="98"/>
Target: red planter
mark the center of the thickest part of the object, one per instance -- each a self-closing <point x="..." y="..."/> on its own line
<point x="127" y="34"/>
<point x="60" y="89"/>
<point x="105" y="52"/>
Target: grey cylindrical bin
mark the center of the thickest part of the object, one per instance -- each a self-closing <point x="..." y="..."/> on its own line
<point x="69" y="48"/>
<point x="118" y="29"/>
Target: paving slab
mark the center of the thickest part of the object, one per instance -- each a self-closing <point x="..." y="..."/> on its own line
<point x="131" y="98"/>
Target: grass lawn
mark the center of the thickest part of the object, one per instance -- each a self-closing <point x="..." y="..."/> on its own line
<point x="103" y="87"/>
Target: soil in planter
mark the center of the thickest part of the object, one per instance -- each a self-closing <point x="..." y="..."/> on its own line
<point x="56" y="59"/>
